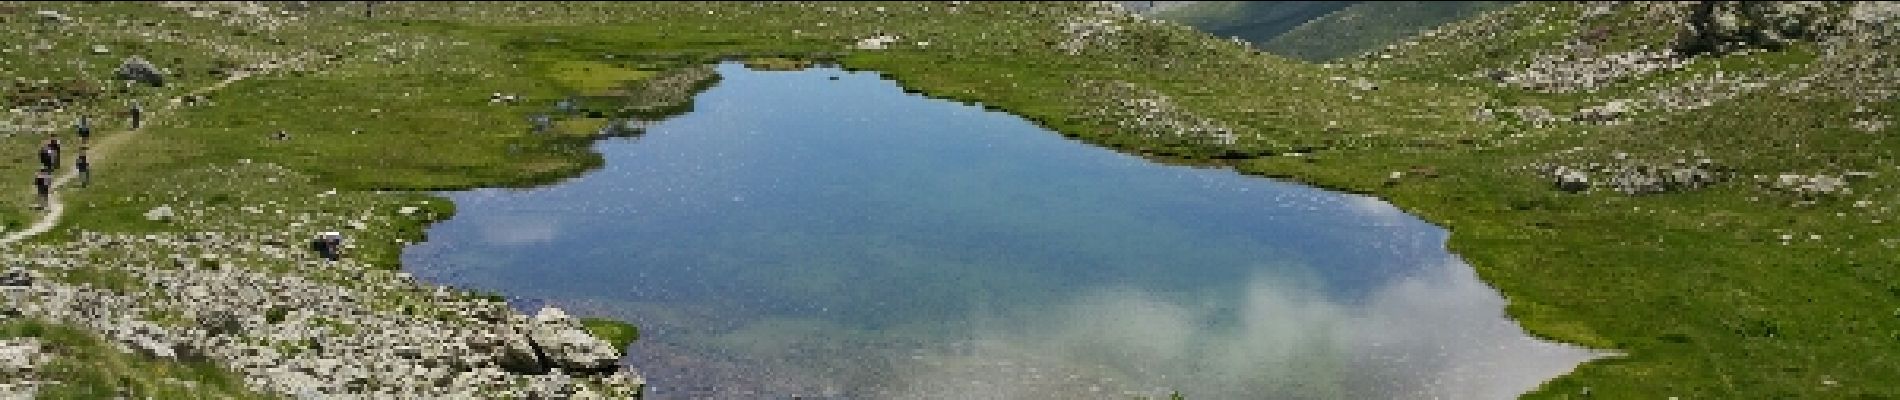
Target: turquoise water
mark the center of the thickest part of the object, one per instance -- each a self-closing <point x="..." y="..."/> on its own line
<point x="799" y="235"/>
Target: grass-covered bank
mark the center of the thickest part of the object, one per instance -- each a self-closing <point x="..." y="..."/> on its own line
<point x="1734" y="289"/>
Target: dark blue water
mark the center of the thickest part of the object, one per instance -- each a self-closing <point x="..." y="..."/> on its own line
<point x="796" y="235"/>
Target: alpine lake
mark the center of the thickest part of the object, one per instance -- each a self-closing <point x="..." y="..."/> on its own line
<point x="822" y="233"/>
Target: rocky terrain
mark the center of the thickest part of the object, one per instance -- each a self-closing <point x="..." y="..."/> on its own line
<point x="230" y="279"/>
<point x="239" y="287"/>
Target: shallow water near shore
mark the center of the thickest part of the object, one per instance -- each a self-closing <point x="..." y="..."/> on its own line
<point x="796" y="235"/>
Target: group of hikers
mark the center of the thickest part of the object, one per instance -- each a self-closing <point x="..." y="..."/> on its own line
<point x="329" y="245"/>
<point x="51" y="159"/>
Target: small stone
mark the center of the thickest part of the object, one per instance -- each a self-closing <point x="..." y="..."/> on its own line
<point x="160" y="213"/>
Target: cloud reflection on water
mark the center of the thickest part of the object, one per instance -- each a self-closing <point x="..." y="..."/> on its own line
<point x="1434" y="335"/>
<point x="518" y="229"/>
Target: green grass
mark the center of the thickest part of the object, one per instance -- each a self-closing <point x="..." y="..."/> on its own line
<point x="85" y="367"/>
<point x="100" y="278"/>
<point x="593" y="77"/>
<point x="620" y="334"/>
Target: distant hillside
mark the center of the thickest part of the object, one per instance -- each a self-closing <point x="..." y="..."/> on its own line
<point x="1253" y="21"/>
<point x="1154" y="6"/>
<point x="1367" y="26"/>
<point x="1321" y="30"/>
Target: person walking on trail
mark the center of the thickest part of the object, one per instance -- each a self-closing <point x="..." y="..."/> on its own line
<point x="53" y="143"/>
<point x="85" y="128"/>
<point x="49" y="158"/>
<point x="138" y="114"/>
<point x="329" y="245"/>
<point x="85" y="168"/>
<point x="44" y="182"/>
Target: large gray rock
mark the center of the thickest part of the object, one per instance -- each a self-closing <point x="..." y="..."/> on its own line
<point x="135" y="68"/>
<point x="565" y="344"/>
<point x="512" y="351"/>
<point x="160" y="213"/>
<point x="1572" y="180"/>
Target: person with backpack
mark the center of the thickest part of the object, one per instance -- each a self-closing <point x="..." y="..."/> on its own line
<point x="329" y="245"/>
<point x="85" y="128"/>
<point x="44" y="182"/>
<point x="53" y="143"/>
<point x="49" y="158"/>
<point x="85" y="168"/>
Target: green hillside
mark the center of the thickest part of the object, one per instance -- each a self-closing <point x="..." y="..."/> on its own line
<point x="1252" y="21"/>
<point x="1323" y="30"/>
<point x="1370" y="25"/>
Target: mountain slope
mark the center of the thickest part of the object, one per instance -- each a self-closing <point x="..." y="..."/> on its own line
<point x="1252" y="21"/>
<point x="1369" y="25"/>
<point x="1729" y="168"/>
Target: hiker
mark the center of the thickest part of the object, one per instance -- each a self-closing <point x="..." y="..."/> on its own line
<point x="541" y="123"/>
<point x="85" y="168"/>
<point x="44" y="182"/>
<point x="53" y="143"/>
<point x="138" y="114"/>
<point x="49" y="158"/>
<point x="85" y="128"/>
<point x="329" y="245"/>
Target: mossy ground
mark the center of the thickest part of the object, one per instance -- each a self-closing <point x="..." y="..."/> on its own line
<point x="620" y="334"/>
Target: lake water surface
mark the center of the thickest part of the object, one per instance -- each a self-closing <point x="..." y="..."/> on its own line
<point x="797" y="235"/>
